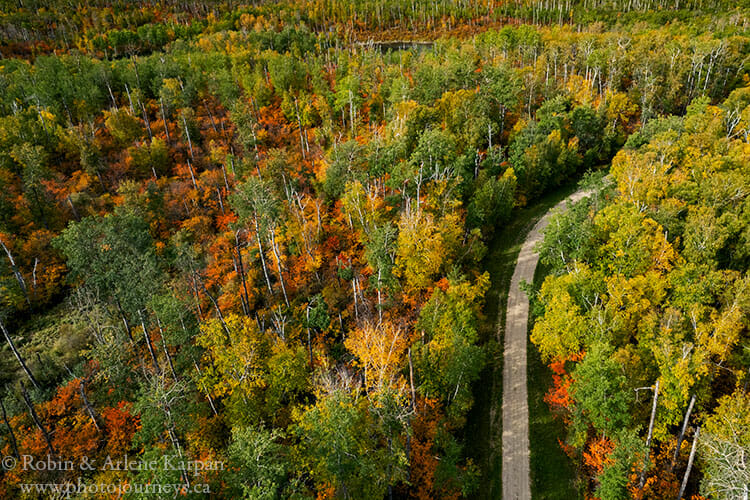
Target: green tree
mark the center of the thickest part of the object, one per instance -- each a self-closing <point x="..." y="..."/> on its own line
<point x="613" y="481"/>
<point x="600" y="391"/>
<point x="115" y="256"/>
<point x="339" y="444"/>
<point x="261" y="463"/>
<point x="492" y="201"/>
<point x="449" y="358"/>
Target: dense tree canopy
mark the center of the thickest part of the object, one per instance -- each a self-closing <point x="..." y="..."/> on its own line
<point x="247" y="234"/>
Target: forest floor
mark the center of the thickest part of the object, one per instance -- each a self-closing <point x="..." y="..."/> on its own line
<point x="483" y="436"/>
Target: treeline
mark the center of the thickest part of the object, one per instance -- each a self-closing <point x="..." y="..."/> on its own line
<point x="117" y="29"/>
<point x="262" y="247"/>
<point x="110" y="28"/>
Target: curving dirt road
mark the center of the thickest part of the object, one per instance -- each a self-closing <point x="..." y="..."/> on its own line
<point x="516" y="482"/>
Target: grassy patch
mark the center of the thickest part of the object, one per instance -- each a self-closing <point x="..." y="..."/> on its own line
<point x="553" y="474"/>
<point x="483" y="431"/>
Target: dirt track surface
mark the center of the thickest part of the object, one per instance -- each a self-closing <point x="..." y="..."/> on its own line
<point x="516" y="481"/>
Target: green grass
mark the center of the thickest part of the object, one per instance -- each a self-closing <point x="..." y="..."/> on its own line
<point x="485" y="418"/>
<point x="553" y="473"/>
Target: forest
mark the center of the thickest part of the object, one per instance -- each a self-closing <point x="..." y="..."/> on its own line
<point x="249" y="242"/>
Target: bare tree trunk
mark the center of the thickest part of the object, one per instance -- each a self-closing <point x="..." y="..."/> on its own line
<point x="166" y="349"/>
<point x="87" y="405"/>
<point x="309" y="337"/>
<point x="380" y="301"/>
<point x="16" y="272"/>
<point x="216" y="307"/>
<point x="73" y="208"/>
<point x="210" y="116"/>
<point x="262" y="256"/>
<point x="226" y="181"/>
<point x="682" y="432"/>
<point x="197" y="298"/>
<point x="221" y="202"/>
<point x="690" y="463"/>
<point x="18" y="355"/>
<point x="33" y="275"/>
<point x="111" y="96"/>
<point x="148" y="123"/>
<point x="257" y="152"/>
<point x="164" y="119"/>
<point x="124" y="319"/>
<point x="149" y="345"/>
<point x="650" y="434"/>
<point x="354" y="293"/>
<point x="242" y="271"/>
<point x="418" y="181"/>
<point x="35" y="417"/>
<point x="13" y="443"/>
<point x="208" y="393"/>
<point x="172" y="433"/>
<point x="187" y="134"/>
<point x="192" y="175"/>
<point x="299" y="127"/>
<point x="411" y="381"/>
<point x="278" y="265"/>
<point x="130" y="100"/>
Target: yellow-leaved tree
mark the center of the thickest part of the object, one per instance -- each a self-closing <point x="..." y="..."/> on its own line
<point x="380" y="350"/>
<point x="236" y="359"/>
<point x="425" y="246"/>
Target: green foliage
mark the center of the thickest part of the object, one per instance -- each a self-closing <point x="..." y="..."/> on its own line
<point x="123" y="126"/>
<point x="492" y="201"/>
<point x="613" y="480"/>
<point x="569" y="238"/>
<point x="238" y="357"/>
<point x="152" y="158"/>
<point x="425" y="247"/>
<point x="115" y="256"/>
<point x="288" y="381"/>
<point x="334" y="193"/>
<point x="255" y="202"/>
<point x="287" y="74"/>
<point x="343" y="165"/>
<point x="341" y="449"/>
<point x="261" y="463"/>
<point x="650" y="287"/>
<point x="600" y="391"/>
<point x="449" y="358"/>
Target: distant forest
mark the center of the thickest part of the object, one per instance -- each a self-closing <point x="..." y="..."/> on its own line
<point x="248" y="234"/>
